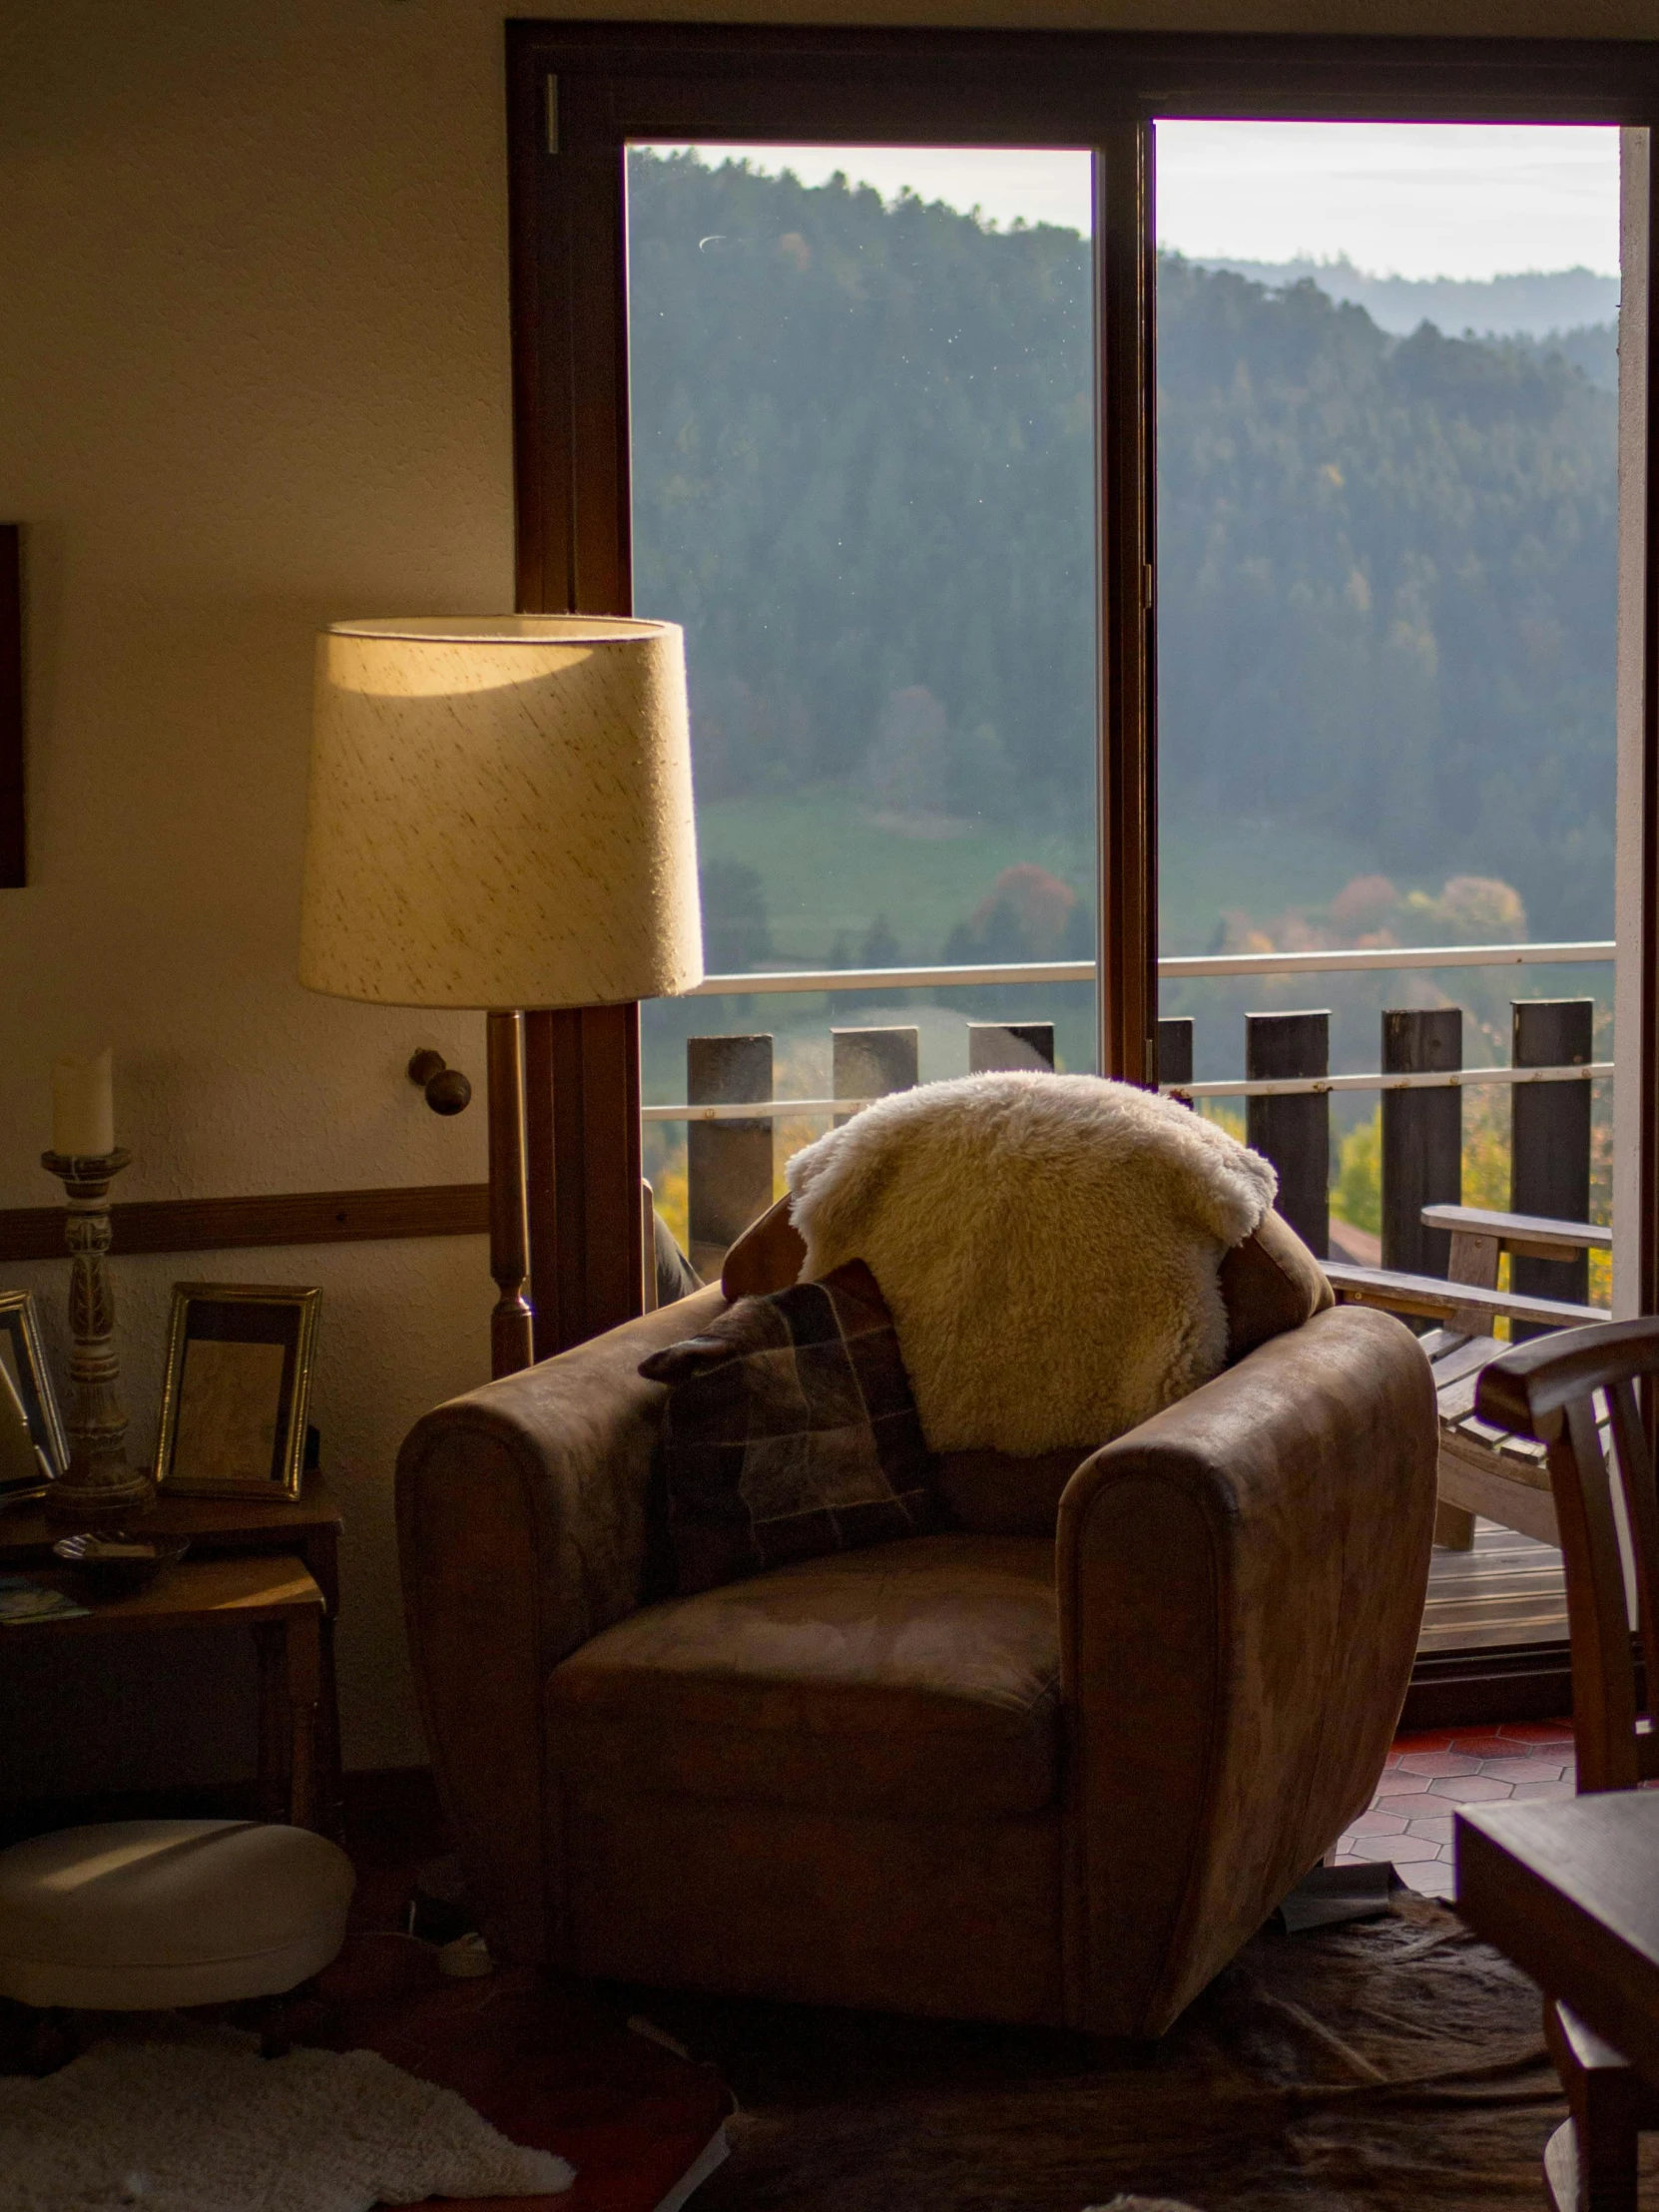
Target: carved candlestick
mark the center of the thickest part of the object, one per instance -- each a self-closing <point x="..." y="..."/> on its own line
<point x="99" y="1488"/>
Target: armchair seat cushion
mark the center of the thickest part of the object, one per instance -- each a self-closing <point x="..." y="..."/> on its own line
<point x="917" y="1678"/>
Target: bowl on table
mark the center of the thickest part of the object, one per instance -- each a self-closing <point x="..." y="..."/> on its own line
<point x="111" y="1562"/>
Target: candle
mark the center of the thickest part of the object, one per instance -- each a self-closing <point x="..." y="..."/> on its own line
<point x="83" y="1106"/>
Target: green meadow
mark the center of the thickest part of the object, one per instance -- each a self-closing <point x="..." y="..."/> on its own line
<point x="830" y="866"/>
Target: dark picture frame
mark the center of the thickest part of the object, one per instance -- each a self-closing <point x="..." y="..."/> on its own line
<point x="237" y="1389"/>
<point x="26" y="1377"/>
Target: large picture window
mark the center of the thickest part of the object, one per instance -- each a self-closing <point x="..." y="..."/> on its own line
<point x="1091" y="648"/>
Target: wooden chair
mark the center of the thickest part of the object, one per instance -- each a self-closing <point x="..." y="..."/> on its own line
<point x="1546" y="1392"/>
<point x="1482" y="1469"/>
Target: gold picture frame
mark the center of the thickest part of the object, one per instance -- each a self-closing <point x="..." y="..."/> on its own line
<point x="237" y="1390"/>
<point x="26" y="1389"/>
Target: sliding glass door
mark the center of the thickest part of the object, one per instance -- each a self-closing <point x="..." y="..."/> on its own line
<point x="862" y="454"/>
<point x="888" y="448"/>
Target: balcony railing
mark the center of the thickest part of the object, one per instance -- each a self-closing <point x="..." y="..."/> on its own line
<point x="1286" y="1085"/>
<point x="1181" y="969"/>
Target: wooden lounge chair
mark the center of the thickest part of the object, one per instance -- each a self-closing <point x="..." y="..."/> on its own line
<point x="1483" y="1469"/>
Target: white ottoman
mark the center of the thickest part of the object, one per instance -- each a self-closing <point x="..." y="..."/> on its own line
<point x="143" y="1915"/>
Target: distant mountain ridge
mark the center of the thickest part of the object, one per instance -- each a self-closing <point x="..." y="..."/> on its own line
<point x="1530" y="304"/>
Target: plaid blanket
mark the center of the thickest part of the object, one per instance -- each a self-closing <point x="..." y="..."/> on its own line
<point x="790" y="1431"/>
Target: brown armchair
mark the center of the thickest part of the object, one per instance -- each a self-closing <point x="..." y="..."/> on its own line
<point x="1043" y="1778"/>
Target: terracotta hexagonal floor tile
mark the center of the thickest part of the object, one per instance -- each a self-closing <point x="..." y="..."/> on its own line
<point x="1472" y="1789"/>
<point x="1406" y="1849"/>
<point x="1523" y="1770"/>
<point x="1400" y="1785"/>
<point x="1438" y="1763"/>
<point x="1563" y="1789"/>
<point x="1436" y="1831"/>
<point x="1378" y="1823"/>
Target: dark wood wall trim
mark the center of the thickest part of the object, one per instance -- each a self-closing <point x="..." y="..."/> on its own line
<point x="14" y="853"/>
<point x="238" y="1224"/>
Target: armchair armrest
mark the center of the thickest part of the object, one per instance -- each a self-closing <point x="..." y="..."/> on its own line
<point x="521" y="1529"/>
<point x="1241" y="1586"/>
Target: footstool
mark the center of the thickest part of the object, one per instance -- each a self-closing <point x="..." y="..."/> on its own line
<point x="143" y="1916"/>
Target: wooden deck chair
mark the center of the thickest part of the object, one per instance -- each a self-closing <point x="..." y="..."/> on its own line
<point x="1482" y="1468"/>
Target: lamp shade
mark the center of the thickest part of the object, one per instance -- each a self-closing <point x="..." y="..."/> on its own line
<point x="500" y="813"/>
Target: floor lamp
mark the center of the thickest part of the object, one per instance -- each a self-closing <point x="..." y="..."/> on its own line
<point x="500" y="818"/>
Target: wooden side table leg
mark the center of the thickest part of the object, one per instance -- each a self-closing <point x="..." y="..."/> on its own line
<point x="331" y="1786"/>
<point x="269" y="1642"/>
<point x="305" y="1687"/>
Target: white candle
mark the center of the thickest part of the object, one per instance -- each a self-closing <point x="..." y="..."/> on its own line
<point x="83" y="1106"/>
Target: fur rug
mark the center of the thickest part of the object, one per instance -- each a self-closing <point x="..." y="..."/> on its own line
<point x="1048" y="1246"/>
<point x="1393" y="2065"/>
<point x="184" y="2118"/>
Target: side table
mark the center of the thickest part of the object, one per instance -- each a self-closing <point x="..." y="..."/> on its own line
<point x="305" y="1528"/>
<point x="273" y="1597"/>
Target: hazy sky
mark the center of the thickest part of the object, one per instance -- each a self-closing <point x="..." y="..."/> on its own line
<point x="1410" y="200"/>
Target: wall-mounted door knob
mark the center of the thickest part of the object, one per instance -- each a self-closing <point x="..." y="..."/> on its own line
<point x="447" y="1089"/>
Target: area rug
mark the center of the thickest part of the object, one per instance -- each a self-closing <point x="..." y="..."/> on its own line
<point x="1390" y="2067"/>
<point x="179" y="2118"/>
<point x="550" y="2061"/>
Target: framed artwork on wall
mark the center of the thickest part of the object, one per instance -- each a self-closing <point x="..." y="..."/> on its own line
<point x="33" y="1447"/>
<point x="239" y="1378"/>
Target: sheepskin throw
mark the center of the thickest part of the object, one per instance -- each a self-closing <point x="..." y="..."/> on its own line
<point x="197" y="2121"/>
<point x="1047" y="1246"/>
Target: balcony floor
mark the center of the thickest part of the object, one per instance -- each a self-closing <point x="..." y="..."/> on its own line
<point x="1508" y="1591"/>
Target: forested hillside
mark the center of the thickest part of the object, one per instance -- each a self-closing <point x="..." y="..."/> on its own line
<point x="864" y="481"/>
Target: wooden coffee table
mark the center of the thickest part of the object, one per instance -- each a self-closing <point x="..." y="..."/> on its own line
<point x="1569" y="1890"/>
<point x="273" y="1598"/>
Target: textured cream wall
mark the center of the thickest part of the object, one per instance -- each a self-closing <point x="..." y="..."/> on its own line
<point x="254" y="375"/>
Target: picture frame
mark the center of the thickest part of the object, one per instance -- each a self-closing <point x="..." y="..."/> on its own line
<point x="237" y="1390"/>
<point x="26" y="1387"/>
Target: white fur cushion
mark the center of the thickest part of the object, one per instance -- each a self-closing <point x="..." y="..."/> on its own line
<point x="1047" y="1245"/>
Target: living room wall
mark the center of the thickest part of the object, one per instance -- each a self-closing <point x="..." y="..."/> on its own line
<point x="253" y="375"/>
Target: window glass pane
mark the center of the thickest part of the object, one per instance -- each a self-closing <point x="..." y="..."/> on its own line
<point x="862" y="421"/>
<point x="1387" y="483"/>
<point x="1387" y="540"/>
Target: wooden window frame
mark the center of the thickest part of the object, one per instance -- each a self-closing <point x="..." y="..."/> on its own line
<point x="13" y="843"/>
<point x="578" y="94"/>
